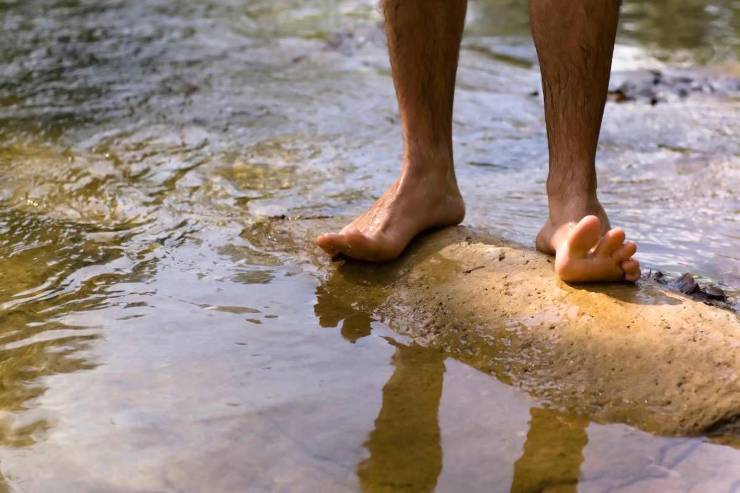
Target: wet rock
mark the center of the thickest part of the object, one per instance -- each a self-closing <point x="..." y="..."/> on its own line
<point x="687" y="285"/>
<point x="654" y="86"/>
<point x="658" y="276"/>
<point x="715" y="293"/>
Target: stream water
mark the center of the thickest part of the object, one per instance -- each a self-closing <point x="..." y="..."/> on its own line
<point x="156" y="335"/>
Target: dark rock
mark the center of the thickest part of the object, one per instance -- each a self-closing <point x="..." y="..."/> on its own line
<point x="658" y="276"/>
<point x="687" y="285"/>
<point x="619" y="95"/>
<point x="654" y="87"/>
<point x="715" y="293"/>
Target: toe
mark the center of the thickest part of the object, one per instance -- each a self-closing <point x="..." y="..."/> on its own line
<point x="332" y="244"/>
<point x="584" y="236"/>
<point x="624" y="252"/>
<point x="631" y="270"/>
<point x="611" y="241"/>
<point x="363" y="248"/>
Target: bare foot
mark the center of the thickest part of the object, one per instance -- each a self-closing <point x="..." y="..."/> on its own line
<point x="409" y="206"/>
<point x="587" y="250"/>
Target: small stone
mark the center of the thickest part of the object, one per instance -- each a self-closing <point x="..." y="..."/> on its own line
<point x="686" y="284"/>
<point x="658" y="276"/>
<point x="715" y="293"/>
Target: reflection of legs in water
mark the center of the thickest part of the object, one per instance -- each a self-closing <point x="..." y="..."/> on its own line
<point x="405" y="449"/>
<point x="553" y="453"/>
<point x="332" y="309"/>
<point x="575" y="41"/>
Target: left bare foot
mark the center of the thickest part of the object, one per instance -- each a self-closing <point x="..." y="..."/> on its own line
<point x="588" y="251"/>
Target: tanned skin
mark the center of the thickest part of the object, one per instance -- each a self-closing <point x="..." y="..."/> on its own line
<point x="575" y="43"/>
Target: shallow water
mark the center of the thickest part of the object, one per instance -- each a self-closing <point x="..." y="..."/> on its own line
<point x="158" y="334"/>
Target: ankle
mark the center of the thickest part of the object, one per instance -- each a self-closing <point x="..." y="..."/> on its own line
<point x="427" y="157"/>
<point x="566" y="208"/>
<point x="574" y="182"/>
<point x="430" y="168"/>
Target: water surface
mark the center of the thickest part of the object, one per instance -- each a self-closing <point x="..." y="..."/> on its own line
<point x="157" y="334"/>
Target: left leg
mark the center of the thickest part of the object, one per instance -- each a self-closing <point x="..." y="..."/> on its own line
<point x="575" y="42"/>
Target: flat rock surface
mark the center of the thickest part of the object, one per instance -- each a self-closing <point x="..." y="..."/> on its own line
<point x="638" y="354"/>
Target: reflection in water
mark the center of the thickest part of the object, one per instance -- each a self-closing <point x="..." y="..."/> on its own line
<point x="42" y="277"/>
<point x="553" y="453"/>
<point x="64" y="238"/>
<point x="405" y="448"/>
<point x="350" y="296"/>
<point x="405" y="445"/>
<point x="331" y="312"/>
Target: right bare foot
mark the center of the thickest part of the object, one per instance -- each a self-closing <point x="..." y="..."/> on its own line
<point x="414" y="203"/>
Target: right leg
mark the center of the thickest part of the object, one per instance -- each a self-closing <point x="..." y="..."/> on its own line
<point x="424" y="42"/>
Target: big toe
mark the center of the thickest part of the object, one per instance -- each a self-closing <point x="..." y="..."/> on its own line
<point x="583" y="236"/>
<point x="333" y="244"/>
<point x="378" y="248"/>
